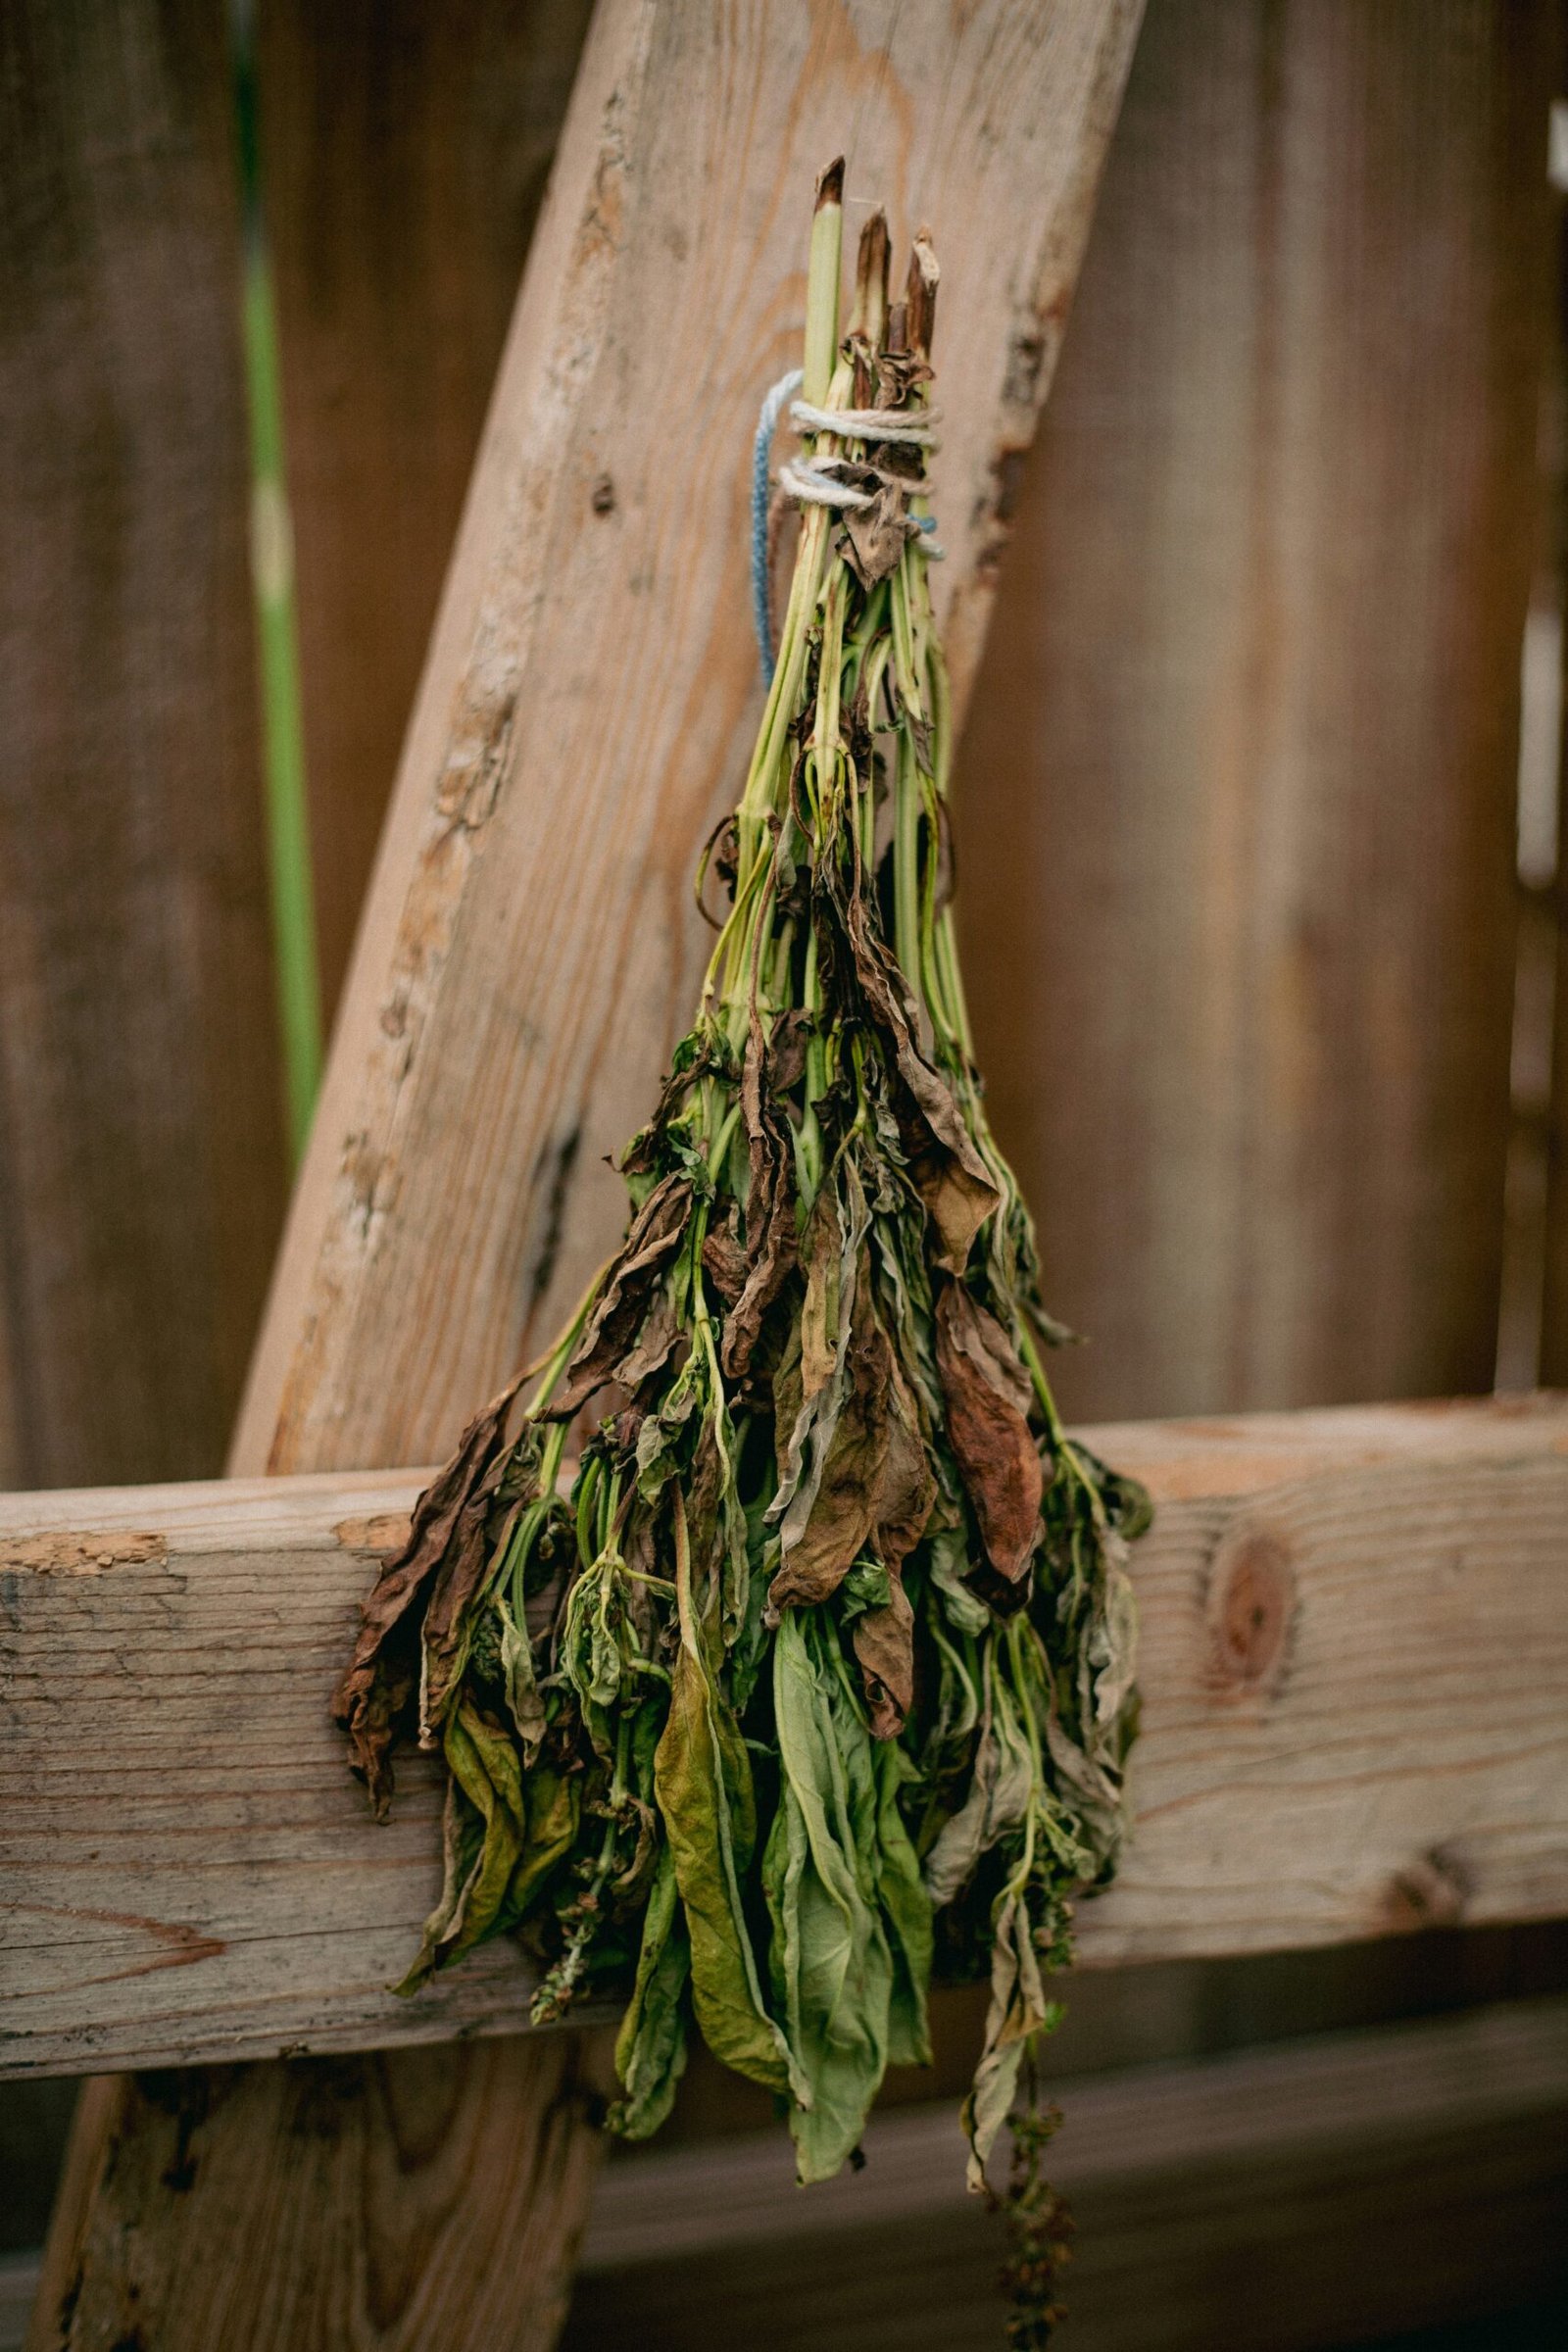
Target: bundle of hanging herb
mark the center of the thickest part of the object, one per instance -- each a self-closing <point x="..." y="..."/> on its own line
<point x="820" y="1679"/>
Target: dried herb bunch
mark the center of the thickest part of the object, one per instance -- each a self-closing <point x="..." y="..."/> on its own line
<point x="821" y="1677"/>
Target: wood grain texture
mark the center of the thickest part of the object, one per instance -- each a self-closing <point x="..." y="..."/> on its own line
<point x="1554" y="1284"/>
<point x="1554" y="1305"/>
<point x="406" y="152"/>
<point x="1235" y="805"/>
<point x="529" y="952"/>
<point x="142" y="1168"/>
<point x="1356" y="1677"/>
<point x="1344" y="2187"/>
<point x="426" y="2202"/>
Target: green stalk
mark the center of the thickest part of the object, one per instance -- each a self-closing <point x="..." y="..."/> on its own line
<point x="288" y="840"/>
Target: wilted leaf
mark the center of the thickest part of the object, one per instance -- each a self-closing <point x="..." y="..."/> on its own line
<point x="831" y="1956"/>
<point x="884" y="1646"/>
<point x="374" y="1703"/>
<point x="524" y="1701"/>
<point x="724" y="1261"/>
<point x="625" y="1300"/>
<point x="702" y="1779"/>
<point x="651" y="2046"/>
<point x="945" y="1162"/>
<point x="770" y="1235"/>
<point x="1018" y="2011"/>
<point x="483" y="1847"/>
<point x="876" y="534"/>
<point x="988" y="1394"/>
<point x="996" y="1802"/>
<point x="875" y="1489"/>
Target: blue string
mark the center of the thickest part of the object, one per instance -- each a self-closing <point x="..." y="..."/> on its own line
<point x="761" y="451"/>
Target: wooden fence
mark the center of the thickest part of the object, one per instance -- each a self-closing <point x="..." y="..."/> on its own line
<point x="1236" y="837"/>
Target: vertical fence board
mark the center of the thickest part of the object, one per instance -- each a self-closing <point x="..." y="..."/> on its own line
<point x="1554" y="1300"/>
<point x="141" y="1156"/>
<point x="1554" y="1305"/>
<point x="1237" y="804"/>
<point x="405" y="152"/>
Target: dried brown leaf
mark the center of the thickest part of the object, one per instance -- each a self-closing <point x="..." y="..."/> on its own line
<point x="884" y="1646"/>
<point x="445" y="1548"/>
<point x="725" y="1263"/>
<point x="945" y="1162"/>
<point x="987" y="1392"/>
<point x="770" y="1239"/>
<point x="622" y="1306"/>
<point x="876" y="1488"/>
<point x="874" y="536"/>
<point x="786" y="1049"/>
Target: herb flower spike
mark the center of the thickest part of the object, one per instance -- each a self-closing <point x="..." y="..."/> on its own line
<point x="820" y="1679"/>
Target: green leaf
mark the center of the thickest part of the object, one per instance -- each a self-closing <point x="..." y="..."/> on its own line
<point x="651" y="2046"/>
<point x="1019" y="2010"/>
<point x="555" y="1804"/>
<point x="830" y="1953"/>
<point x="524" y="1701"/>
<point x="906" y="1909"/>
<point x="483" y="1842"/>
<point x="703" y="1780"/>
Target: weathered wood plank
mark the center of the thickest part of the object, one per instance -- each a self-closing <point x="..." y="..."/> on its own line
<point x="142" y="1168"/>
<point x="444" y="2187"/>
<point x="1235" y="804"/>
<point x="1355" y="1669"/>
<point x="529" y="951"/>
<point x="405" y="154"/>
<point x="677" y="2203"/>
<point x="1280" y="2199"/>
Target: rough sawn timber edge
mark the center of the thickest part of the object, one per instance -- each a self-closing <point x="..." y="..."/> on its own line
<point x="1355" y="1670"/>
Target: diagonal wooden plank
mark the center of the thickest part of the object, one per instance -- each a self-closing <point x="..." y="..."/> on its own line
<point x="523" y="961"/>
<point x="529" y="952"/>
<point x="1340" y="1737"/>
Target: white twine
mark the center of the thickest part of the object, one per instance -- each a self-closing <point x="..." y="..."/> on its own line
<point x="814" y="486"/>
<point x="868" y="425"/>
<point x="817" y="489"/>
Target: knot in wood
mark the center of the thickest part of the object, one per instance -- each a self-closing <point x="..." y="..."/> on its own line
<point x="1432" y="1892"/>
<point x="1251" y="1603"/>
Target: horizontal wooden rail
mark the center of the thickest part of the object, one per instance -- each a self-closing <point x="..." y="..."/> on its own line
<point x="1270" y="2200"/>
<point x="1356" y="1678"/>
<point x="1452" y="2074"/>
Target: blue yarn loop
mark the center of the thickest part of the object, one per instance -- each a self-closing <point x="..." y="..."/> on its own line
<point x="761" y="451"/>
<point x="761" y="492"/>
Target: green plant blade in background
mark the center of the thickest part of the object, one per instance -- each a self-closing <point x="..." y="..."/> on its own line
<point x="288" y="833"/>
